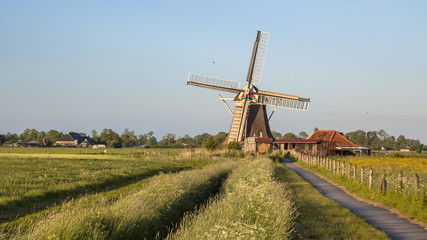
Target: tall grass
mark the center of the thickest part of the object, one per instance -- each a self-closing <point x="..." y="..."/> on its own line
<point x="31" y="182"/>
<point x="151" y="211"/>
<point x="251" y="206"/>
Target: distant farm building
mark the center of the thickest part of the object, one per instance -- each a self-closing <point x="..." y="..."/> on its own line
<point x="315" y="147"/>
<point x="72" y="139"/>
<point x="339" y="145"/>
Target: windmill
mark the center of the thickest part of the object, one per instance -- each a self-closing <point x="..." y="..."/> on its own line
<point x="250" y="115"/>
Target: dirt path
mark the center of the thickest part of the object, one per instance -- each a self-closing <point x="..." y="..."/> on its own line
<point x="394" y="226"/>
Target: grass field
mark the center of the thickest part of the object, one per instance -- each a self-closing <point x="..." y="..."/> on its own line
<point x="160" y="193"/>
<point x="32" y="179"/>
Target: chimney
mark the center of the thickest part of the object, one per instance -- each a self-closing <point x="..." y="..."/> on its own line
<point x="315" y="130"/>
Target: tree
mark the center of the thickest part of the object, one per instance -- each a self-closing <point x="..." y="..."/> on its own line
<point x="10" y="138"/>
<point x="95" y="136"/>
<point x="373" y="141"/>
<point x="52" y="136"/>
<point x="400" y="142"/>
<point x="147" y="139"/>
<point x="128" y="138"/>
<point x="111" y="138"/>
<point x="25" y="135"/>
<point x="209" y="143"/>
<point x="303" y="135"/>
<point x="220" y="138"/>
<point x="198" y="140"/>
<point x="358" y="137"/>
<point x="33" y="134"/>
<point x="289" y="136"/>
<point x="42" y="136"/>
<point x="276" y="135"/>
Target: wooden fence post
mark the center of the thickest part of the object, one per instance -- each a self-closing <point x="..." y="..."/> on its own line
<point x="384" y="183"/>
<point x="333" y="166"/>
<point x="400" y="180"/>
<point x="371" y="173"/>
<point x="416" y="184"/>
<point x="349" y="171"/>
<point x="361" y="174"/>
<point x="354" y="171"/>
<point x="343" y="168"/>
<point x="339" y="168"/>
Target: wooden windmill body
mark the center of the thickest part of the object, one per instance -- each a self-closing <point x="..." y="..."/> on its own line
<point x="250" y="114"/>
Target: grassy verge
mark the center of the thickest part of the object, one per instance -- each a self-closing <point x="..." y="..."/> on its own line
<point x="413" y="207"/>
<point x="251" y="206"/>
<point x="150" y="211"/>
<point x="30" y="184"/>
<point x="320" y="217"/>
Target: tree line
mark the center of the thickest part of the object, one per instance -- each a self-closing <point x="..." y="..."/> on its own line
<point x="381" y="140"/>
<point x="376" y="140"/>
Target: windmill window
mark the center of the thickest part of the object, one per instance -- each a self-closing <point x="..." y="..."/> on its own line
<point x="259" y="134"/>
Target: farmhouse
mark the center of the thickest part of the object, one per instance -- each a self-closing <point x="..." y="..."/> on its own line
<point x="315" y="147"/>
<point x="339" y="145"/>
<point x="72" y="139"/>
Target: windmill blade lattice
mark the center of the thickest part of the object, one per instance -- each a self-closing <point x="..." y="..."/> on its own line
<point x="260" y="57"/>
<point x="213" y="83"/>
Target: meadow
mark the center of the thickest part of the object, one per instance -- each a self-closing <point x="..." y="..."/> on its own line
<point x="159" y="194"/>
<point x="32" y="179"/>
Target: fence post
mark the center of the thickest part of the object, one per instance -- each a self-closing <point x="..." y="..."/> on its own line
<point x="354" y="171"/>
<point x="343" y="168"/>
<point x="349" y="171"/>
<point x="339" y="168"/>
<point x="371" y="173"/>
<point x="384" y="183"/>
<point x="400" y="180"/>
<point x="416" y="184"/>
<point x="361" y="174"/>
<point x="333" y="166"/>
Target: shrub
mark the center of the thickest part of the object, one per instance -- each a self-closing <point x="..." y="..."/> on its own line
<point x="234" y="146"/>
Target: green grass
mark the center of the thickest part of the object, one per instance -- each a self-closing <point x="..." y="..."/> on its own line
<point x="32" y="179"/>
<point x="408" y="204"/>
<point x="320" y="217"/>
<point x="143" y="210"/>
<point x="251" y="206"/>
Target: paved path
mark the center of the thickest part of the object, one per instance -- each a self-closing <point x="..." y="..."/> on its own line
<point x="394" y="226"/>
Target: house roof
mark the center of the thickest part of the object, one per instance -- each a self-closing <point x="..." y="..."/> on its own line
<point x="332" y="136"/>
<point x="298" y="140"/>
<point x="71" y="136"/>
<point x="263" y="140"/>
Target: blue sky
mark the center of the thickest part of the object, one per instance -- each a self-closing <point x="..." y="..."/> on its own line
<point x="83" y="65"/>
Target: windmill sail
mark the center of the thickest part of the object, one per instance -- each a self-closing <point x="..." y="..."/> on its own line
<point x="213" y="83"/>
<point x="283" y="100"/>
<point x="260" y="57"/>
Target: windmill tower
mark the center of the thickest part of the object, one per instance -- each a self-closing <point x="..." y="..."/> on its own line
<point x="250" y="115"/>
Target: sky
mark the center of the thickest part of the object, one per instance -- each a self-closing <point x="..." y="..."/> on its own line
<point x="84" y="65"/>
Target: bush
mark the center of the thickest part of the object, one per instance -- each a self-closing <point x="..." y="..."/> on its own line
<point x="209" y="143"/>
<point x="234" y="146"/>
